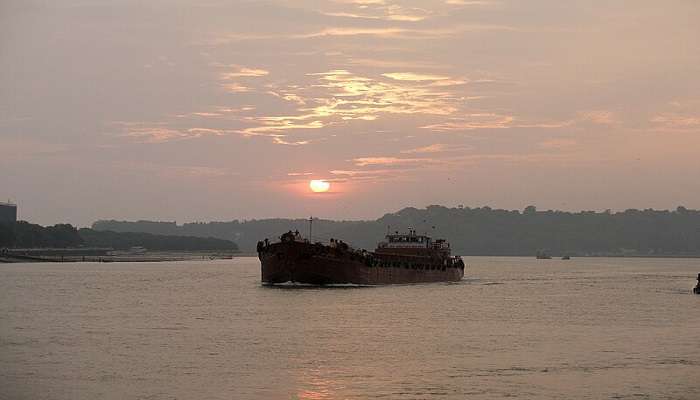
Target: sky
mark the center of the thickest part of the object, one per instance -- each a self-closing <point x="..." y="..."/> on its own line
<point x="217" y="110"/>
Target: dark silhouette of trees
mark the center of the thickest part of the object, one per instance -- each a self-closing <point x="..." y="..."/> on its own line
<point x="477" y="231"/>
<point x="25" y="235"/>
<point x="126" y="240"/>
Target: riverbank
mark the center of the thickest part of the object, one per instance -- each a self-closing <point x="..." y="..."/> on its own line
<point x="109" y="257"/>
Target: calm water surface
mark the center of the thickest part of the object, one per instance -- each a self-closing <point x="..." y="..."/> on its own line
<point x="515" y="327"/>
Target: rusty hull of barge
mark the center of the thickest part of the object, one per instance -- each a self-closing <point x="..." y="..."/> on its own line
<point x="315" y="264"/>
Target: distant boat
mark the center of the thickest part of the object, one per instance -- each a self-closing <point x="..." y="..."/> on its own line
<point x="402" y="258"/>
<point x="542" y="255"/>
<point x="566" y="258"/>
<point x="137" y="250"/>
<point x="131" y="251"/>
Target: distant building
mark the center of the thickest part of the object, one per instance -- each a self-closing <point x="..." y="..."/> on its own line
<point x="8" y="212"/>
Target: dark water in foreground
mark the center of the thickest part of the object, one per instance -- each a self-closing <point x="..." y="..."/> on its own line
<point x="515" y="327"/>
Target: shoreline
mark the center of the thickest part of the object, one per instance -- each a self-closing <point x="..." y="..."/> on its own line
<point x="54" y="257"/>
<point x="185" y="256"/>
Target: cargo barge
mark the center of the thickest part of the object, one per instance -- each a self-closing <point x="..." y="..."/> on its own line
<point x="400" y="259"/>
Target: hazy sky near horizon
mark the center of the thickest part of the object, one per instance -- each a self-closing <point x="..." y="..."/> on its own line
<point x="216" y="110"/>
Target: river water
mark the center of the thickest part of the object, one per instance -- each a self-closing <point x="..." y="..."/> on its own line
<point x="521" y="328"/>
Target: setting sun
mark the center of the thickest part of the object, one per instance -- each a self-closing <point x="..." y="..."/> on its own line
<point x="319" y="186"/>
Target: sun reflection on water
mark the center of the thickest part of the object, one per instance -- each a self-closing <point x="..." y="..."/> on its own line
<point x="316" y="387"/>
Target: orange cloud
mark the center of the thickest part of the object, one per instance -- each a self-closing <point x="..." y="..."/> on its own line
<point x="367" y="161"/>
<point x="678" y="122"/>
<point x="161" y="134"/>
<point x="279" y="140"/>
<point x="344" y="31"/>
<point x="601" y="117"/>
<point x="492" y="121"/>
<point x="411" y="76"/>
<point x="474" y="121"/>
<point x="339" y="96"/>
<point x="244" y="72"/>
<point x="433" y="148"/>
<point x="235" y="88"/>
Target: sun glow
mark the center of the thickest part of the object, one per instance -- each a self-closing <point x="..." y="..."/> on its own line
<point x="319" y="186"/>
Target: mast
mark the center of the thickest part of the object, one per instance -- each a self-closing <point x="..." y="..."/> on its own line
<point x="311" y="222"/>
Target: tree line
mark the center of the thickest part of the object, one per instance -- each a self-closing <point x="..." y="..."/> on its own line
<point x="22" y="234"/>
<point x="475" y="231"/>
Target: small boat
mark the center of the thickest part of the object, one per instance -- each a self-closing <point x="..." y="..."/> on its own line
<point x="566" y="258"/>
<point x="542" y="255"/>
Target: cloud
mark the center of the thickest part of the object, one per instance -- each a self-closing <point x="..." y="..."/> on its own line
<point x="340" y="96"/>
<point x="474" y="121"/>
<point x="353" y="96"/>
<point x="390" y="17"/>
<point x="368" y="161"/>
<point x="433" y="148"/>
<point x="348" y="31"/>
<point x="453" y="82"/>
<point x="600" y="117"/>
<point x="245" y="72"/>
<point x="380" y="10"/>
<point x="235" y="88"/>
<point x="155" y="134"/>
<point x="470" y="2"/>
<point x="228" y="79"/>
<point x="385" y="63"/>
<point x="405" y="33"/>
<point x="370" y="176"/>
<point x="361" y="2"/>
<point x="199" y="132"/>
<point x="279" y="140"/>
<point x="393" y="168"/>
<point x="392" y="32"/>
<point x="230" y="110"/>
<point x="275" y="126"/>
<point x="200" y="114"/>
<point x="676" y="122"/>
<point x="492" y="121"/>
<point x="348" y="172"/>
<point x="289" y="97"/>
<point x="162" y="134"/>
<point x="411" y="76"/>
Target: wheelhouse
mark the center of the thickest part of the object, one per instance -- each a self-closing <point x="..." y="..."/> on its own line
<point x="412" y="240"/>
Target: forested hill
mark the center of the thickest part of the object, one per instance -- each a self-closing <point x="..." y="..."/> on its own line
<point x="22" y="234"/>
<point x="476" y="231"/>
